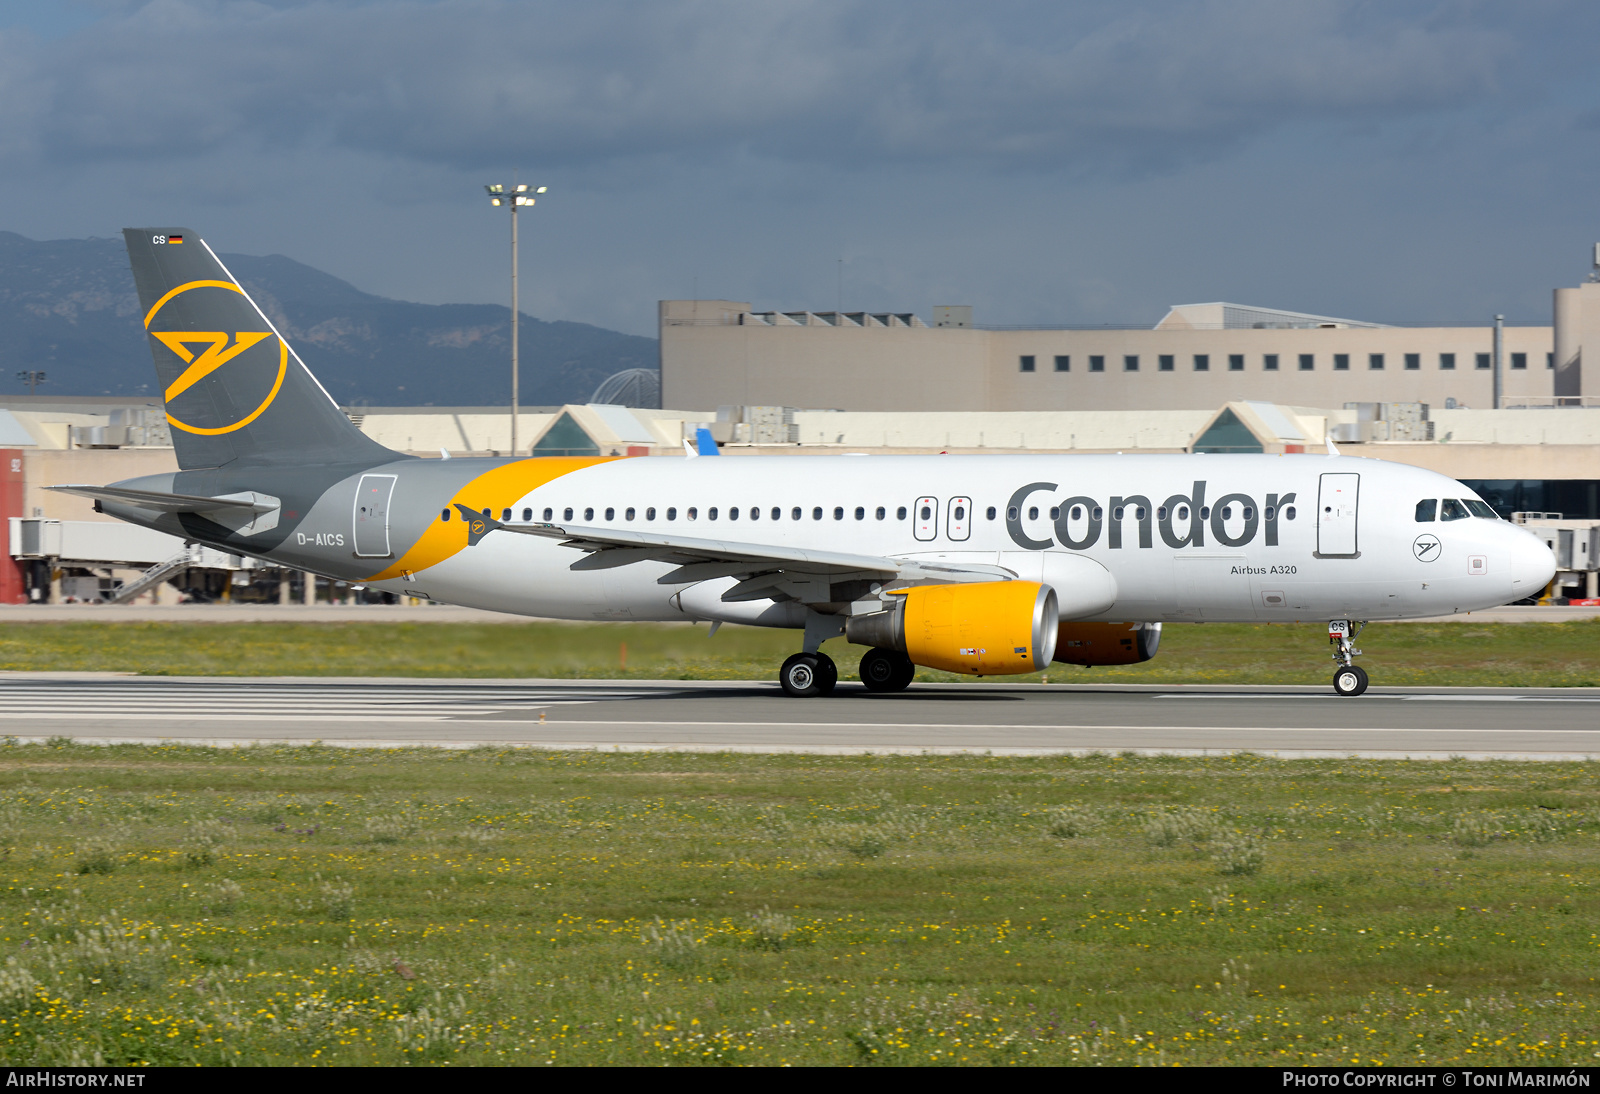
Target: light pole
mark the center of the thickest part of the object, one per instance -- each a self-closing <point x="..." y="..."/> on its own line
<point x="513" y="197"/>
<point x="31" y="377"/>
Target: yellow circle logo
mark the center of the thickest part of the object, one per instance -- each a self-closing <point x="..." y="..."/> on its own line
<point x="204" y="352"/>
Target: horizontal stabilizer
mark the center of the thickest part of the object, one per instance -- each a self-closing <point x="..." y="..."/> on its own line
<point x="173" y="503"/>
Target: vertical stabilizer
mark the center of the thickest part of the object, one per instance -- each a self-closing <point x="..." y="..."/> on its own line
<point x="235" y="391"/>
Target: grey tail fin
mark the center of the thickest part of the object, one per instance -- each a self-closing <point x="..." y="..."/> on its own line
<point x="235" y="390"/>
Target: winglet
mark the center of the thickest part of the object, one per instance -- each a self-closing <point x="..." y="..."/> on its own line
<point x="478" y="524"/>
<point x="1333" y="449"/>
<point x="688" y="449"/>
<point x="706" y="442"/>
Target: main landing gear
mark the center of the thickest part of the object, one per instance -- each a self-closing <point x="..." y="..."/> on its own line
<point x="1348" y="680"/>
<point x="806" y="674"/>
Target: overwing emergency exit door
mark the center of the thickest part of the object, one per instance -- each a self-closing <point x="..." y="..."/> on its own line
<point x="372" y="515"/>
<point x="926" y="519"/>
<point x="1336" y="516"/>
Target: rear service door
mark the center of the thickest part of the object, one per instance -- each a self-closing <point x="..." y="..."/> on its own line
<point x="1336" y="516"/>
<point x="958" y="525"/>
<point x="372" y="515"/>
<point x="925" y="518"/>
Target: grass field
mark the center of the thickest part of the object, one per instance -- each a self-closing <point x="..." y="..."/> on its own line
<point x="1467" y="653"/>
<point x="304" y="905"/>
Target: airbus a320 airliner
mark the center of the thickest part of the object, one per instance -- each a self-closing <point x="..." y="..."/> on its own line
<point x="984" y="565"/>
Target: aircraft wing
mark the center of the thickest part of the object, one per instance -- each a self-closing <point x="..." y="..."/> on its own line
<point x="173" y="503"/>
<point x="705" y="559"/>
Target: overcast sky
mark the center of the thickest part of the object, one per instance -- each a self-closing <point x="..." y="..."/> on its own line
<point x="1047" y="162"/>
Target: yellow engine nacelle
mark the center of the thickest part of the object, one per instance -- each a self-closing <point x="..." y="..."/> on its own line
<point x="990" y="628"/>
<point x="1106" y="643"/>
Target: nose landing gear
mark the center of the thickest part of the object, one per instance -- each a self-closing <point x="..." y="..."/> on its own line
<point x="1348" y="680"/>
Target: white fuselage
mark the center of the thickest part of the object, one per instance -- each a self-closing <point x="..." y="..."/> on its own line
<point x="1243" y="538"/>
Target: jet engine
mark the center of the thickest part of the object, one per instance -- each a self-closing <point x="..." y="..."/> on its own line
<point x="989" y="628"/>
<point x="1106" y="643"/>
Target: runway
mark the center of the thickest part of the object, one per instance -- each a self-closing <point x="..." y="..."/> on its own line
<point x="1434" y="723"/>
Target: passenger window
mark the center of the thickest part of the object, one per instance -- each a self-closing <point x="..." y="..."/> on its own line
<point x="588" y="514"/>
<point x="1183" y="512"/>
<point x="693" y="513"/>
<point x="444" y="514"/>
<point x="1140" y="513"/>
<point x="1055" y="512"/>
<point x="611" y="514"/>
<point x="816" y="514"/>
<point x="1205" y="512"/>
<point x="650" y="513"/>
<point x="1227" y="512"/>
<point x="628" y="514"/>
<point x="1269" y="511"/>
<point x="1481" y="509"/>
<point x="733" y="512"/>
<point x="927" y="513"/>
<point x="1161" y="513"/>
<point x="1098" y="513"/>
<point x="755" y="514"/>
<point x="838" y="512"/>
<point x="991" y="512"/>
<point x="1427" y="510"/>
<point x="1033" y="513"/>
<point x="861" y="513"/>
<point x="1011" y="513"/>
<point x="711" y="514"/>
<point x="961" y="513"/>
<point x="900" y="513"/>
<point x="505" y="516"/>
<point x="795" y="513"/>
<point x="1077" y="513"/>
<point x="672" y="514"/>
<point x="1288" y="513"/>
<point x="777" y="514"/>
<point x="1249" y="513"/>
<point x="881" y="512"/>
<point x="1454" y="510"/>
<point x="566" y="514"/>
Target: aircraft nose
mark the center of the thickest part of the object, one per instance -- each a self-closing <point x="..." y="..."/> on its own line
<point x="1532" y="565"/>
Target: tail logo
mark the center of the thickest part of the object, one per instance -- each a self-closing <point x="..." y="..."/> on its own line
<point x="205" y="352"/>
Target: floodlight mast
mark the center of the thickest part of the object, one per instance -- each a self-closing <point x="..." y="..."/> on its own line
<point x="513" y="197"/>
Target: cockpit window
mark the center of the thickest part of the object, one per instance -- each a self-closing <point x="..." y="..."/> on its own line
<point x="1481" y="509"/>
<point x="1454" y="510"/>
<point x="1427" y="510"/>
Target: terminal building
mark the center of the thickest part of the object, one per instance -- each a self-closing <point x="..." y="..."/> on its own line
<point x="1199" y="355"/>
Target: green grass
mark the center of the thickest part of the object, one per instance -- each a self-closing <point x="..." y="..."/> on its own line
<point x="174" y="905"/>
<point x="1500" y="654"/>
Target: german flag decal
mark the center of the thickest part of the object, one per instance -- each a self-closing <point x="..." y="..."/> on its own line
<point x="174" y="239"/>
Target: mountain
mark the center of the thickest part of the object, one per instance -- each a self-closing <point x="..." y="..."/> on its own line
<point x="68" y="307"/>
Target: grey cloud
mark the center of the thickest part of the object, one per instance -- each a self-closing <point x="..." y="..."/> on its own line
<point x="842" y="82"/>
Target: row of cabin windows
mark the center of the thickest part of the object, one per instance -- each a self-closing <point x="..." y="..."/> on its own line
<point x="1376" y="362"/>
<point x="1430" y="509"/>
<point x="881" y="513"/>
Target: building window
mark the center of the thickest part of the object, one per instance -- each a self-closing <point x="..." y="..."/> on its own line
<point x="1519" y="360"/>
<point x="1308" y="361"/>
<point x="1025" y="362"/>
<point x="1130" y="363"/>
<point x="1485" y="360"/>
<point x="1549" y="360"/>
<point x="1063" y="363"/>
<point x="1202" y="362"/>
<point x="1375" y="362"/>
<point x="1269" y="362"/>
<point x="1413" y="362"/>
<point x="1097" y="363"/>
<point x="1166" y="362"/>
<point x="1235" y="362"/>
<point x="1447" y="362"/>
<point x="1341" y="362"/>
